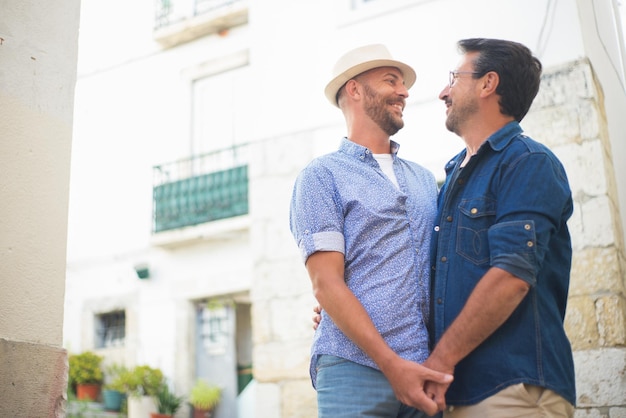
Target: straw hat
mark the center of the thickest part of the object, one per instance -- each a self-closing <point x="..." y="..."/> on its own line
<point x="360" y="60"/>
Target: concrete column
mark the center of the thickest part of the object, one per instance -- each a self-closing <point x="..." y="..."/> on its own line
<point x="38" y="56"/>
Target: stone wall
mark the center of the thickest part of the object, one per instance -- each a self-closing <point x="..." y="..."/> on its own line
<point x="568" y="117"/>
<point x="281" y="294"/>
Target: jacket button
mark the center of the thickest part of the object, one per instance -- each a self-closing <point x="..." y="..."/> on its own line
<point x="439" y="301"/>
<point x="444" y="259"/>
<point x="449" y="218"/>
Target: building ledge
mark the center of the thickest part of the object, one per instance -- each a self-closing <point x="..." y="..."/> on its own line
<point x="215" y="21"/>
<point x="221" y="230"/>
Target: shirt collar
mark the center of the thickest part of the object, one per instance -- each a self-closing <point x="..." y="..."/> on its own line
<point x="501" y="138"/>
<point x="359" y="151"/>
<point x="497" y="141"/>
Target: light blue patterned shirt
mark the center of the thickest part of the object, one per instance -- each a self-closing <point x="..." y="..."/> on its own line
<point x="344" y="202"/>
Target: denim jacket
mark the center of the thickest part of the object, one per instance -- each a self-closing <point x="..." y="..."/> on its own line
<point x="507" y="208"/>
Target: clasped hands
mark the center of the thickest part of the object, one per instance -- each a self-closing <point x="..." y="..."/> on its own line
<point x="422" y="386"/>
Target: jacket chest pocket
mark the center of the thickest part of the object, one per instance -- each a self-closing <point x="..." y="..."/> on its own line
<point x="475" y="218"/>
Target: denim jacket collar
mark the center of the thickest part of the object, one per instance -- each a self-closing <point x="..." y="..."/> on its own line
<point x="497" y="142"/>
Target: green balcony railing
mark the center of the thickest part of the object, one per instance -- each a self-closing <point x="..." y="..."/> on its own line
<point x="172" y="11"/>
<point x="202" y="195"/>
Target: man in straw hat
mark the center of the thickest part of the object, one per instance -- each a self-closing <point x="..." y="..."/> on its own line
<point x="362" y="218"/>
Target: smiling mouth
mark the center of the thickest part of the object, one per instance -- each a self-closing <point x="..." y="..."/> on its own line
<point x="398" y="106"/>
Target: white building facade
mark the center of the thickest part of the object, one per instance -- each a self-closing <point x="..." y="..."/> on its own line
<point x="192" y="119"/>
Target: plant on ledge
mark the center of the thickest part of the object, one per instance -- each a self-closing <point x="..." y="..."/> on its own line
<point x="167" y="402"/>
<point x="139" y="381"/>
<point x="85" y="375"/>
<point x="204" y="398"/>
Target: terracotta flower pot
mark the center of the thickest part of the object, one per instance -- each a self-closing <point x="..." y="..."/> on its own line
<point x="202" y="413"/>
<point x="87" y="391"/>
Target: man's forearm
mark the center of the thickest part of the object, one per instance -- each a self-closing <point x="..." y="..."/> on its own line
<point x="493" y="300"/>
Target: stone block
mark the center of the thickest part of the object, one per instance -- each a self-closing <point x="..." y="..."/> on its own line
<point x="589" y="119"/>
<point x="611" y="314"/>
<point x="584" y="165"/>
<point x="617" y="412"/>
<point x="33" y="380"/>
<point x="270" y="198"/>
<point x="589" y="413"/>
<point x="272" y="240"/>
<point x="267" y="399"/>
<point x="291" y="318"/>
<point x="282" y="360"/>
<point x="600" y="377"/>
<point x="598" y="222"/>
<point x="276" y="156"/>
<point x="563" y="84"/>
<point x="575" y="225"/>
<point x="286" y="278"/>
<point x="554" y="126"/>
<point x="580" y="323"/>
<point x="261" y="325"/>
<point x="594" y="271"/>
<point x="299" y="399"/>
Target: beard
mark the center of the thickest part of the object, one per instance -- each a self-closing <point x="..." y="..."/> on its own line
<point x="376" y="109"/>
<point x="460" y="114"/>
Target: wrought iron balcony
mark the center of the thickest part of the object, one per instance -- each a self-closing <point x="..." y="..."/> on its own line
<point x="200" y="189"/>
<point x="178" y="21"/>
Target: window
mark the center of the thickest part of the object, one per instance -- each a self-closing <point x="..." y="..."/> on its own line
<point x="217" y="326"/>
<point x="219" y="110"/>
<point x="110" y="329"/>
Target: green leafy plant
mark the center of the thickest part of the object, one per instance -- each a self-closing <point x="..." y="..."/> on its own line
<point x="85" y="368"/>
<point x="204" y="396"/>
<point x="167" y="401"/>
<point x="138" y="381"/>
<point x="115" y="376"/>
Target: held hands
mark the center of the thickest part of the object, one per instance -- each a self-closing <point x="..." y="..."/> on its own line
<point x="412" y="383"/>
<point x="419" y="386"/>
<point x="437" y="390"/>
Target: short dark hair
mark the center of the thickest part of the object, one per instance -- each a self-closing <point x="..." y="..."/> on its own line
<point x="518" y="69"/>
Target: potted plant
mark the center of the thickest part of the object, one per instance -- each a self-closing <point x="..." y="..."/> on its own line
<point x="204" y="398"/>
<point x="167" y="403"/>
<point x="114" y="389"/>
<point x="85" y="375"/>
<point x="144" y="381"/>
<point x="141" y="384"/>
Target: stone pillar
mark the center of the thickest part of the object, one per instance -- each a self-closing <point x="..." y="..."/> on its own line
<point x="38" y="51"/>
<point x="281" y="293"/>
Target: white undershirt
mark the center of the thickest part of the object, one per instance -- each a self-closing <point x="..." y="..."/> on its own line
<point x="385" y="161"/>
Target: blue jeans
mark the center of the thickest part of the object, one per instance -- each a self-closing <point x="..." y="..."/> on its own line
<point x="348" y="390"/>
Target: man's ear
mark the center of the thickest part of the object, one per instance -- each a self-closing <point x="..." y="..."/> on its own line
<point x="489" y="83"/>
<point x="352" y="89"/>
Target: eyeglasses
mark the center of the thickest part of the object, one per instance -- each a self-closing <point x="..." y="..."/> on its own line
<point x="455" y="74"/>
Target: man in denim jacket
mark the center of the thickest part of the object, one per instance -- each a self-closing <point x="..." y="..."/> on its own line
<point x="501" y="250"/>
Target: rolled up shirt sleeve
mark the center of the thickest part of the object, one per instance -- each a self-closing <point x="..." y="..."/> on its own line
<point x="316" y="218"/>
<point x="513" y="248"/>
